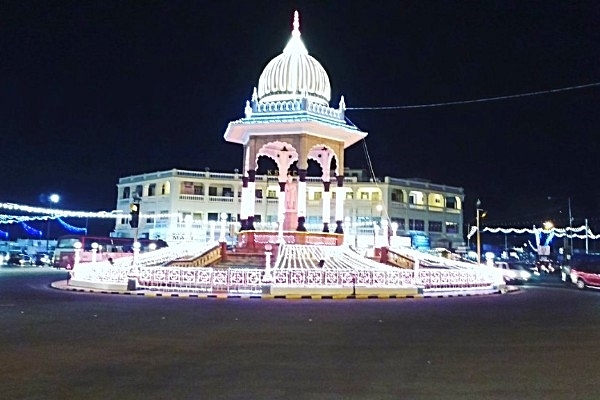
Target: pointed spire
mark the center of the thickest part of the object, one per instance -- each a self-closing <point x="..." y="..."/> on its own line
<point x="296" y="24"/>
<point x="254" y="95"/>
<point x="295" y="45"/>
<point x="342" y="104"/>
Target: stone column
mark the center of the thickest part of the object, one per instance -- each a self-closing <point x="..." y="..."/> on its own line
<point x="301" y="200"/>
<point x="326" y="205"/>
<point x="244" y="205"/>
<point x="281" y="209"/>
<point x="339" y="204"/>
<point x="251" y="198"/>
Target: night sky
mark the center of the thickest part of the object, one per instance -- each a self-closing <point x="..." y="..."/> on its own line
<point x="96" y="90"/>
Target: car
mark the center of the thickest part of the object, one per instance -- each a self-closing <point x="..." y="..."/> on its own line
<point x="3" y="257"/>
<point x="19" y="259"/>
<point x="514" y="272"/>
<point x="585" y="274"/>
<point x="42" y="260"/>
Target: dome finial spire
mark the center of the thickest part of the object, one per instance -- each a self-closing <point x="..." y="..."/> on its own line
<point x="296" y="25"/>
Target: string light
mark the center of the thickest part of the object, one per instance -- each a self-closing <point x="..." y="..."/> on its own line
<point x="55" y="213"/>
<point x="31" y="230"/>
<point x="568" y="232"/>
<point x="71" y="228"/>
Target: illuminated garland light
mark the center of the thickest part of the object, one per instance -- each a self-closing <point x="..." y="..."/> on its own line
<point x="31" y="230"/>
<point x="55" y="213"/>
<point x="567" y="232"/>
<point x="71" y="228"/>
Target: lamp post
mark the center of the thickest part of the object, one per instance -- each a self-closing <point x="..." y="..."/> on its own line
<point x="222" y="228"/>
<point x="94" y="251"/>
<point x="480" y="214"/>
<point x="77" y="246"/>
<point x="379" y="209"/>
<point x="52" y="199"/>
<point x="267" y="278"/>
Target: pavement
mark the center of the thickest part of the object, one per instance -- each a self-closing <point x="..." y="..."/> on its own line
<point x="64" y="285"/>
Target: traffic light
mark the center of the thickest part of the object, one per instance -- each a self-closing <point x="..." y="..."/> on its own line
<point x="135" y="214"/>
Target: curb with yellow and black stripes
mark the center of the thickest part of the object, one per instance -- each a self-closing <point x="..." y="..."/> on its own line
<point x="63" y="286"/>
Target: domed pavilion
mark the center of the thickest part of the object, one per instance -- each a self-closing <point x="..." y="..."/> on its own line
<point x="289" y="120"/>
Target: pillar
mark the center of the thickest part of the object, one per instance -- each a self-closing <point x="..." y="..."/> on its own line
<point x="339" y="204"/>
<point x="301" y="200"/>
<point x="251" y="198"/>
<point x="244" y="205"/>
<point x="281" y="210"/>
<point x="326" y="206"/>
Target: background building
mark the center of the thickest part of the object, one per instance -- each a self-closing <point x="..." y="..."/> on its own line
<point x="176" y="203"/>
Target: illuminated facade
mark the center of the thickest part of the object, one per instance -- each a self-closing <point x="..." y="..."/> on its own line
<point x="168" y="197"/>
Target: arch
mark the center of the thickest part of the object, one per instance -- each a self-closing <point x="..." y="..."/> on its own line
<point x="436" y="200"/>
<point x="327" y="159"/>
<point x="283" y="153"/>
<point x="416" y="197"/>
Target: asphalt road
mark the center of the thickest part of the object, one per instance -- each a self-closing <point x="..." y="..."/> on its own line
<point x="541" y="342"/>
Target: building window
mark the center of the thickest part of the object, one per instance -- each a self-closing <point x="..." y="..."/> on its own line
<point x="349" y="195"/>
<point x="364" y="195"/>
<point x="187" y="187"/>
<point x="271" y="194"/>
<point x="400" y="222"/>
<point x="212" y="191"/>
<point x="199" y="190"/>
<point x="258" y="194"/>
<point x="213" y="216"/>
<point x="150" y="218"/>
<point x="227" y="192"/>
<point x="197" y="216"/>
<point x="435" y="226"/>
<point x="318" y="195"/>
<point x="375" y="196"/>
<point x="164" y="189"/>
<point x="398" y="196"/>
<point x="416" y="224"/>
<point x="152" y="189"/>
<point x="138" y="190"/>
<point x="126" y="192"/>
<point x="451" y="202"/>
<point x="451" y="227"/>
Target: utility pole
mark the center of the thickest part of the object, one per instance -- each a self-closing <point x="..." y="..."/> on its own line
<point x="571" y="230"/>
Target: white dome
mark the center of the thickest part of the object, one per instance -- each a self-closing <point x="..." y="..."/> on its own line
<point x="294" y="74"/>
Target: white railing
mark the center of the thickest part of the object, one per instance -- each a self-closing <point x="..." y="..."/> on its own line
<point x="297" y="266"/>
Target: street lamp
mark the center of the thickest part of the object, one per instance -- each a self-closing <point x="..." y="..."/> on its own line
<point x="223" y="224"/>
<point x="480" y="214"/>
<point x="53" y="199"/>
<point x="379" y="209"/>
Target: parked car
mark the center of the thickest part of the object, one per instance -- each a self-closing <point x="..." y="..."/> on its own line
<point x="42" y="260"/>
<point x="514" y="272"/>
<point x="585" y="274"/>
<point x="19" y="259"/>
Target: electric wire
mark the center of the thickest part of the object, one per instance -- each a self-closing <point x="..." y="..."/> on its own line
<point x="482" y="100"/>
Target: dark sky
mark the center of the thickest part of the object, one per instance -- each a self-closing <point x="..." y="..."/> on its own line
<point x="95" y="90"/>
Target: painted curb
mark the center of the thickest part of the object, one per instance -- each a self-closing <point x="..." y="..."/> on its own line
<point x="61" y="285"/>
